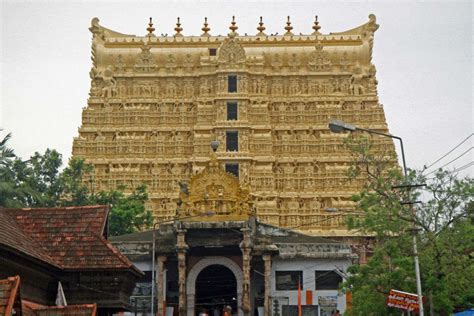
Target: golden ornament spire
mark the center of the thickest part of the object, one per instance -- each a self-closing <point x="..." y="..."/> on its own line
<point x="178" y="28"/>
<point x="316" y="26"/>
<point x="205" y="28"/>
<point x="288" y="27"/>
<point x="233" y="26"/>
<point x="150" y="28"/>
<point x="261" y="28"/>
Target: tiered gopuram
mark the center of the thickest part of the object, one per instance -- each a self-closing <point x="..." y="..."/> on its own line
<point x="157" y="102"/>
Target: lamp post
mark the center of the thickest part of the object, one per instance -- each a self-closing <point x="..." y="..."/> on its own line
<point x="337" y="126"/>
<point x="153" y="277"/>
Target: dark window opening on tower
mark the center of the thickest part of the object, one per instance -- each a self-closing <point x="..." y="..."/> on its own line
<point x="232" y="111"/>
<point x="232" y="83"/>
<point x="212" y="51"/>
<point x="232" y="141"/>
<point x="232" y="168"/>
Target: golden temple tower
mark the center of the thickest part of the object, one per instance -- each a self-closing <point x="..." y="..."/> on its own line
<point x="157" y="102"/>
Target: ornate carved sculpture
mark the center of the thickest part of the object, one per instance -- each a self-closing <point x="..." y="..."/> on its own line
<point x="170" y="63"/>
<point x="294" y="62"/>
<point x="150" y="119"/>
<point x="96" y="29"/>
<point x="109" y="83"/>
<point x="319" y="60"/>
<point x="357" y="87"/>
<point x="277" y="63"/>
<point x="231" y="53"/>
<point x="145" y="61"/>
<point x="215" y="190"/>
<point x="188" y="63"/>
<point x="119" y="64"/>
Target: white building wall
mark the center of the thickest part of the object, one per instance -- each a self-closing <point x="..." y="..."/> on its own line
<point x="143" y="265"/>
<point x="308" y="266"/>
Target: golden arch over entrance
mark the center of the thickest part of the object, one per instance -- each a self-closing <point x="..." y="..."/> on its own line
<point x="201" y="265"/>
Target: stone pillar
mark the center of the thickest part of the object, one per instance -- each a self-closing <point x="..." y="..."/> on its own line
<point x="246" y="248"/>
<point x="160" y="286"/>
<point x="267" y="260"/>
<point x="181" y="248"/>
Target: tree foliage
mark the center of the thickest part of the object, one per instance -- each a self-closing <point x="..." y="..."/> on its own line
<point x="39" y="182"/>
<point x="128" y="212"/>
<point x="444" y="222"/>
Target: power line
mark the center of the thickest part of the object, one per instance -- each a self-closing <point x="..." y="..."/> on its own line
<point x="470" y="164"/>
<point x="462" y="142"/>
<point x="464" y="167"/>
<point x="465" y="152"/>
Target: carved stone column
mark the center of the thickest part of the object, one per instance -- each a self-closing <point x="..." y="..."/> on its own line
<point x="246" y="248"/>
<point x="181" y="248"/>
<point x="160" y="286"/>
<point x="267" y="260"/>
<point x="362" y="255"/>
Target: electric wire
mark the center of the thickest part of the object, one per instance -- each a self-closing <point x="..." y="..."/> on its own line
<point x="465" y="166"/>
<point x="462" y="142"/>
<point x="470" y="164"/>
<point x="465" y="152"/>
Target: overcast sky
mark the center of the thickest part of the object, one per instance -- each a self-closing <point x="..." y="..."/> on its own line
<point x="422" y="52"/>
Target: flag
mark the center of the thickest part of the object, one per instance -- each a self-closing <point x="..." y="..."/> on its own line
<point x="299" y="299"/>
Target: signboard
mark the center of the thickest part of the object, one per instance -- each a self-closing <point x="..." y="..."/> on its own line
<point x="328" y="304"/>
<point x="306" y="310"/>
<point x="403" y="300"/>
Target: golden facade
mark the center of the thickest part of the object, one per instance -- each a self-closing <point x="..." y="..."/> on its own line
<point x="157" y="102"/>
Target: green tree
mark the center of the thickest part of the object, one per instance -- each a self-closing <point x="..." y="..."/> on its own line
<point x="38" y="182"/>
<point x="76" y="183"/>
<point x="128" y="213"/>
<point x="6" y="153"/>
<point x="14" y="192"/>
<point x="44" y="177"/>
<point x="445" y="238"/>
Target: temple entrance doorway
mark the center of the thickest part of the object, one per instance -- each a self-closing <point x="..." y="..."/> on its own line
<point x="216" y="288"/>
<point x="192" y="284"/>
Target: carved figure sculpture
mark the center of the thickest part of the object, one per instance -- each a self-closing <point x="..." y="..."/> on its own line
<point x="109" y="83"/>
<point x="231" y="53"/>
<point x="357" y="87"/>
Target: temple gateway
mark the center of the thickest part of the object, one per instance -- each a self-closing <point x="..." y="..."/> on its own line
<point x="255" y="226"/>
<point x="216" y="256"/>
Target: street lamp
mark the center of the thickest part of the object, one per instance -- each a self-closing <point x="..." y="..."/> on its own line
<point x="153" y="277"/>
<point x="337" y="126"/>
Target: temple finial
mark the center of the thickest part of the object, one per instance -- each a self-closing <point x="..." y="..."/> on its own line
<point x="316" y="26"/>
<point x="288" y="27"/>
<point x="150" y="28"/>
<point x="261" y="28"/>
<point x="178" y="28"/>
<point x="233" y="27"/>
<point x="205" y="28"/>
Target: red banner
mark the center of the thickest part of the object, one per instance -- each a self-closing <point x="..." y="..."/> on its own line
<point x="403" y="300"/>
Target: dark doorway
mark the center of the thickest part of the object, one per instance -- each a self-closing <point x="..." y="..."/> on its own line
<point x="216" y="287"/>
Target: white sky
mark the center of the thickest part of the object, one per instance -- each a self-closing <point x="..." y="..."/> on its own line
<point x="422" y="52"/>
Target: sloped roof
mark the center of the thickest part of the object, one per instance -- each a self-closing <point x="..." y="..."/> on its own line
<point x="14" y="238"/>
<point x="286" y="235"/>
<point x="67" y="237"/>
<point x="9" y="288"/>
<point x="33" y="309"/>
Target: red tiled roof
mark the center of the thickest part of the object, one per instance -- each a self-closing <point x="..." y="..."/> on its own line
<point x="72" y="237"/>
<point x="13" y="237"/>
<point x="8" y="294"/>
<point x="33" y="309"/>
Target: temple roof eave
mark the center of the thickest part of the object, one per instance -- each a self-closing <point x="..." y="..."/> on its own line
<point x="360" y="30"/>
<point x="352" y="36"/>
